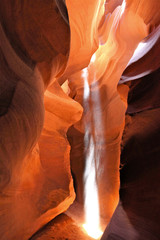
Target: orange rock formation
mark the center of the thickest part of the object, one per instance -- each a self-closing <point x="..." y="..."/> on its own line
<point x="45" y="49"/>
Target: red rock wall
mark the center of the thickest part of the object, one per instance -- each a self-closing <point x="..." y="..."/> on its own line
<point x="39" y="50"/>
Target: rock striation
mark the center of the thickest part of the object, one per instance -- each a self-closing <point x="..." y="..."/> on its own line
<point x="64" y="72"/>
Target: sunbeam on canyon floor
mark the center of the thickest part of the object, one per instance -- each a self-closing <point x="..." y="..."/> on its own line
<point x="91" y="201"/>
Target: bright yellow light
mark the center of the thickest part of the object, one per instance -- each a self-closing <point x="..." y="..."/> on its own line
<point x="123" y="6"/>
<point x="91" y="201"/>
<point x="93" y="58"/>
<point x="95" y="233"/>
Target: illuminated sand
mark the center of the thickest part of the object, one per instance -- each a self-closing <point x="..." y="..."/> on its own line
<point x="61" y="228"/>
<point x="67" y="226"/>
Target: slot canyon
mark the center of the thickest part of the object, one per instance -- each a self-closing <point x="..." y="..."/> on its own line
<point x="79" y="119"/>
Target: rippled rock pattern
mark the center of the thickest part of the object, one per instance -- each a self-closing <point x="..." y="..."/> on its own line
<point x="48" y="49"/>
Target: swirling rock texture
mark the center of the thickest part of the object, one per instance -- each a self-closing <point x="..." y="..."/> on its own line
<point x="36" y="183"/>
<point x="137" y="214"/>
<point x="44" y="44"/>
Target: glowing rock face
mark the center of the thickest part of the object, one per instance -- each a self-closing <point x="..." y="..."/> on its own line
<point x="103" y="74"/>
<point x="36" y="183"/>
<point x="105" y="111"/>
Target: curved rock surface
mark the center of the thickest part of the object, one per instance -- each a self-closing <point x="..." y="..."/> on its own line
<point x="36" y="183"/>
<point x="44" y="44"/>
<point x="104" y="110"/>
<point x="137" y="214"/>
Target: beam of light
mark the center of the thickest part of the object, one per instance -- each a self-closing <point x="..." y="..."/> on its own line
<point x="123" y="6"/>
<point x="91" y="193"/>
<point x="93" y="58"/>
<point x="93" y="135"/>
<point x="86" y="86"/>
<point x="91" y="203"/>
